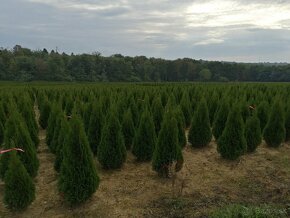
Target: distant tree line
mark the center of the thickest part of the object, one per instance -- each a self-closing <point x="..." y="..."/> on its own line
<point x="23" y="64"/>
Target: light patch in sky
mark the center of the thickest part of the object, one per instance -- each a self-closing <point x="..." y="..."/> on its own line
<point x="230" y="30"/>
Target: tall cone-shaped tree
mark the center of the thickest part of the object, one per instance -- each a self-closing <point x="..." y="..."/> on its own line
<point x="128" y="129"/>
<point x="253" y="133"/>
<point x="180" y="126"/>
<point x="167" y="149"/>
<point x="274" y="132"/>
<point x="263" y="114"/>
<point x="157" y="113"/>
<point x="14" y="129"/>
<point x="220" y="119"/>
<point x="44" y="114"/>
<point x="78" y="178"/>
<point x="95" y="127"/>
<point x="186" y="108"/>
<point x="232" y="142"/>
<point x="64" y="129"/>
<point x="26" y="109"/>
<point x="52" y="122"/>
<point x="145" y="139"/>
<point x="19" y="189"/>
<point x="200" y="133"/>
<point x="287" y="123"/>
<point x="111" y="150"/>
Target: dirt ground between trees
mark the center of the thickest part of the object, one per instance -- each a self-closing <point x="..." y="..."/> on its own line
<point x="206" y="182"/>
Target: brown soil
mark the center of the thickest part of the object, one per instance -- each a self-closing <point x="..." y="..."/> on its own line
<point x="206" y="182"/>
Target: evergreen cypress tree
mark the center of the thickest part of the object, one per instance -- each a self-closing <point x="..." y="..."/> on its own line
<point x="95" y="127"/>
<point x="263" y="114"/>
<point x="44" y="114"/>
<point x="180" y="126"/>
<point x="220" y="119"/>
<point x="78" y="178"/>
<point x="200" y="133"/>
<point x="157" y="113"/>
<point x="274" y="132"/>
<point x="19" y="189"/>
<point x="253" y="133"/>
<point x="167" y="149"/>
<point x="64" y="129"/>
<point x="128" y="129"/>
<point x="111" y="150"/>
<point x="52" y="122"/>
<point x="287" y="123"/>
<point x="145" y="139"/>
<point x="186" y="108"/>
<point x="14" y="129"/>
<point x="232" y="142"/>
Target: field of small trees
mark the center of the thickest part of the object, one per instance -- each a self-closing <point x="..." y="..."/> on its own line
<point x="145" y="150"/>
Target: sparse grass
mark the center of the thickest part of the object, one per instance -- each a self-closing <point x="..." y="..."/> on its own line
<point x="241" y="211"/>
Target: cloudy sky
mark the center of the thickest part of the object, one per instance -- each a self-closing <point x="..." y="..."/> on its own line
<point x="236" y="30"/>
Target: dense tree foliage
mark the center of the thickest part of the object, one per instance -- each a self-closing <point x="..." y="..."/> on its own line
<point x="19" y="189"/>
<point x="200" y="133"/>
<point x="22" y="64"/>
<point x="232" y="143"/>
<point x="78" y="178"/>
<point x="253" y="133"/>
<point x="275" y="132"/>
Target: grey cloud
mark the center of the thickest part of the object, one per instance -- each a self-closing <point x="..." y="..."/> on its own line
<point x="153" y="28"/>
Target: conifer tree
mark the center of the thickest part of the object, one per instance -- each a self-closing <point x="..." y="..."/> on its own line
<point x="145" y="139"/>
<point x="200" y="133"/>
<point x="52" y="122"/>
<point x="78" y="178"/>
<point x="220" y="119"/>
<point x="157" y="113"/>
<point x="275" y="132"/>
<point x="44" y="114"/>
<point x="167" y="149"/>
<point x="253" y="133"/>
<point x="14" y="129"/>
<point x="95" y="127"/>
<point x="128" y="129"/>
<point x="180" y="126"/>
<point x="64" y="129"/>
<point x="263" y="114"/>
<point x="232" y="142"/>
<point x="111" y="150"/>
<point x="287" y="124"/>
<point x="186" y="108"/>
<point x="19" y="189"/>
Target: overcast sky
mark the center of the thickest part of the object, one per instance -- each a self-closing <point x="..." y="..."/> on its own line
<point x="237" y="30"/>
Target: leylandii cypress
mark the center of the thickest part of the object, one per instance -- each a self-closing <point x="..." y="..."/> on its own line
<point x="200" y="132"/>
<point x="274" y="132"/>
<point x="287" y="123"/>
<point x="186" y="108"/>
<point x="263" y="114"/>
<point x="44" y="114"/>
<point x="232" y="142"/>
<point x="157" y="113"/>
<point x="180" y="126"/>
<point x="253" y="133"/>
<point x="128" y="129"/>
<point x="78" y="178"/>
<point x="95" y="127"/>
<point x="145" y="139"/>
<point x="167" y="150"/>
<point x="19" y="189"/>
<point x="220" y="119"/>
<point x="14" y="129"/>
<point x="111" y="150"/>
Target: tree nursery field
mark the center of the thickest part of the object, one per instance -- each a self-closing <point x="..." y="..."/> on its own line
<point x="144" y="150"/>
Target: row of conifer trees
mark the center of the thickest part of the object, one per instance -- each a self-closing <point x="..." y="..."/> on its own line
<point x="151" y="123"/>
<point x="149" y="120"/>
<point x="18" y="128"/>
